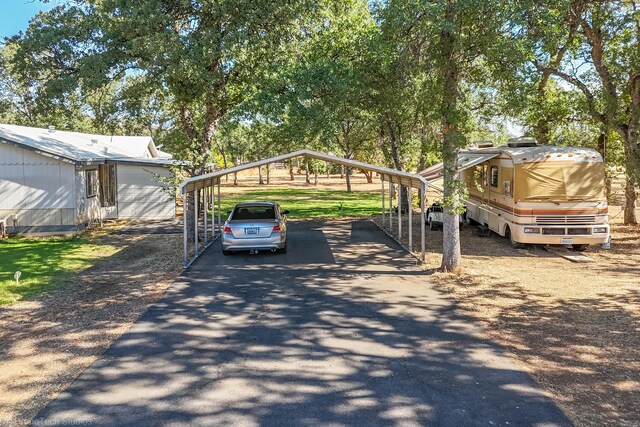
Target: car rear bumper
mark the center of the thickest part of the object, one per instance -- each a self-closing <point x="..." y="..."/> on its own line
<point x="275" y="241"/>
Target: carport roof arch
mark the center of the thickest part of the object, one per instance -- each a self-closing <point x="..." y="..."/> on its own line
<point x="406" y="178"/>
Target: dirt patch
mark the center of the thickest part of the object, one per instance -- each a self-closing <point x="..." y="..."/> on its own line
<point x="574" y="327"/>
<point x="45" y="343"/>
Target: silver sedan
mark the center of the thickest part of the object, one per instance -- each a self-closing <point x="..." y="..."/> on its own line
<point x="254" y="226"/>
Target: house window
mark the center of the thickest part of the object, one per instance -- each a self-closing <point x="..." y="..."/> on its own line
<point x="494" y="176"/>
<point x="92" y="182"/>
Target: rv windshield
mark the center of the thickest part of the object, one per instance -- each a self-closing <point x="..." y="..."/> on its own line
<point x="560" y="182"/>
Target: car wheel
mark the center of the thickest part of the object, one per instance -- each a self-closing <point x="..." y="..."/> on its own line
<point x="432" y="226"/>
<point x="579" y="248"/>
<point x="226" y="252"/>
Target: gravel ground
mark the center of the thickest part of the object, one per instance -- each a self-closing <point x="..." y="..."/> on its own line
<point x="46" y="342"/>
<point x="574" y="327"/>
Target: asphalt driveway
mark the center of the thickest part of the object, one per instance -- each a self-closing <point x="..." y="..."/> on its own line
<point x="342" y="330"/>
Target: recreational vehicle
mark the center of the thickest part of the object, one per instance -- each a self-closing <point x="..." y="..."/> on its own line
<point x="535" y="194"/>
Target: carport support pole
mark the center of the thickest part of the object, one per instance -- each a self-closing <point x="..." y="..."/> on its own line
<point x="423" y="194"/>
<point x="205" y="206"/>
<point x="195" y="221"/>
<point x="409" y="191"/>
<point x="400" y="212"/>
<point x="184" y="229"/>
<point x="383" y="206"/>
<point x="390" y="205"/>
<point x="219" y="210"/>
<point x="213" y="210"/>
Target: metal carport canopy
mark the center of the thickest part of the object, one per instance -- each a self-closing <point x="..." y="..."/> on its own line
<point x="465" y="161"/>
<point x="206" y="183"/>
<point x="395" y="176"/>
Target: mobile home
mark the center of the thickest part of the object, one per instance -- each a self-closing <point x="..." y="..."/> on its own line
<point x="535" y="194"/>
<point x="54" y="181"/>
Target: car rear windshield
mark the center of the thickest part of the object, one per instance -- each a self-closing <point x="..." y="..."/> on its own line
<point x="254" y="212"/>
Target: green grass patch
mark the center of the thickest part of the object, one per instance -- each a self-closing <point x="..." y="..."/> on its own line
<point x="310" y="203"/>
<point x="44" y="263"/>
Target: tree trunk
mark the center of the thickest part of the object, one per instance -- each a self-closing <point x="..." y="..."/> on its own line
<point x="422" y="161"/>
<point x="315" y="175"/>
<point x="226" y="165"/>
<point x="395" y="155"/>
<point x="630" y="215"/>
<point x="268" y="174"/>
<point x="260" y="180"/>
<point x="341" y="172"/>
<point x="348" y="177"/>
<point x="541" y="128"/>
<point x="327" y="165"/>
<point x="235" y="178"/>
<point x="306" y="172"/>
<point x="451" y="257"/>
<point x="291" y="177"/>
<point x="632" y="171"/>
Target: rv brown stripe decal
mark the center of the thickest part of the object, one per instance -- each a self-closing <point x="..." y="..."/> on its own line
<point x="534" y="212"/>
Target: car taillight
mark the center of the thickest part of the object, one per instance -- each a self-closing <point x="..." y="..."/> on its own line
<point x="227" y="230"/>
<point x="276" y="229"/>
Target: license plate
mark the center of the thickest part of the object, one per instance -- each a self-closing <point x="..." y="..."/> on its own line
<point x="566" y="241"/>
<point x="250" y="231"/>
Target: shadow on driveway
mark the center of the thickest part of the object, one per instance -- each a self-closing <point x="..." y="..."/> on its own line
<point x="342" y="330"/>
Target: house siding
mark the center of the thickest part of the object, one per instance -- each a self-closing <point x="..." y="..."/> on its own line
<point x="88" y="208"/>
<point x="141" y="194"/>
<point x="38" y="189"/>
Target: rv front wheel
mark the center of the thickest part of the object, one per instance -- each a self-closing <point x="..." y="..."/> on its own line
<point x="509" y="236"/>
<point x="579" y="248"/>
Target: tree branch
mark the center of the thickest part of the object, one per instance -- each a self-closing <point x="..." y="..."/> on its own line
<point x="591" y="100"/>
<point x="597" y="54"/>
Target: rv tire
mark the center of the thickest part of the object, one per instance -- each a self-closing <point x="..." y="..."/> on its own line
<point x="514" y="244"/>
<point x="578" y="247"/>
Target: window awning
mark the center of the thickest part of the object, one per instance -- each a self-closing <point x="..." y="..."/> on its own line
<point x="465" y="160"/>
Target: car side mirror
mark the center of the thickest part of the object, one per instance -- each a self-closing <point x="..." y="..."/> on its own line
<point x="286" y="212"/>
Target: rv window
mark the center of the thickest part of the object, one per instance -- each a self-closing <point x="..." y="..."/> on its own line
<point x="494" y="176"/>
<point x="92" y="182"/>
<point x="507" y="188"/>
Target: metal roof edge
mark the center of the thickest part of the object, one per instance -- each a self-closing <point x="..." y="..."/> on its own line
<point x="303" y="153"/>
<point x="146" y="162"/>
<point x="38" y="151"/>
